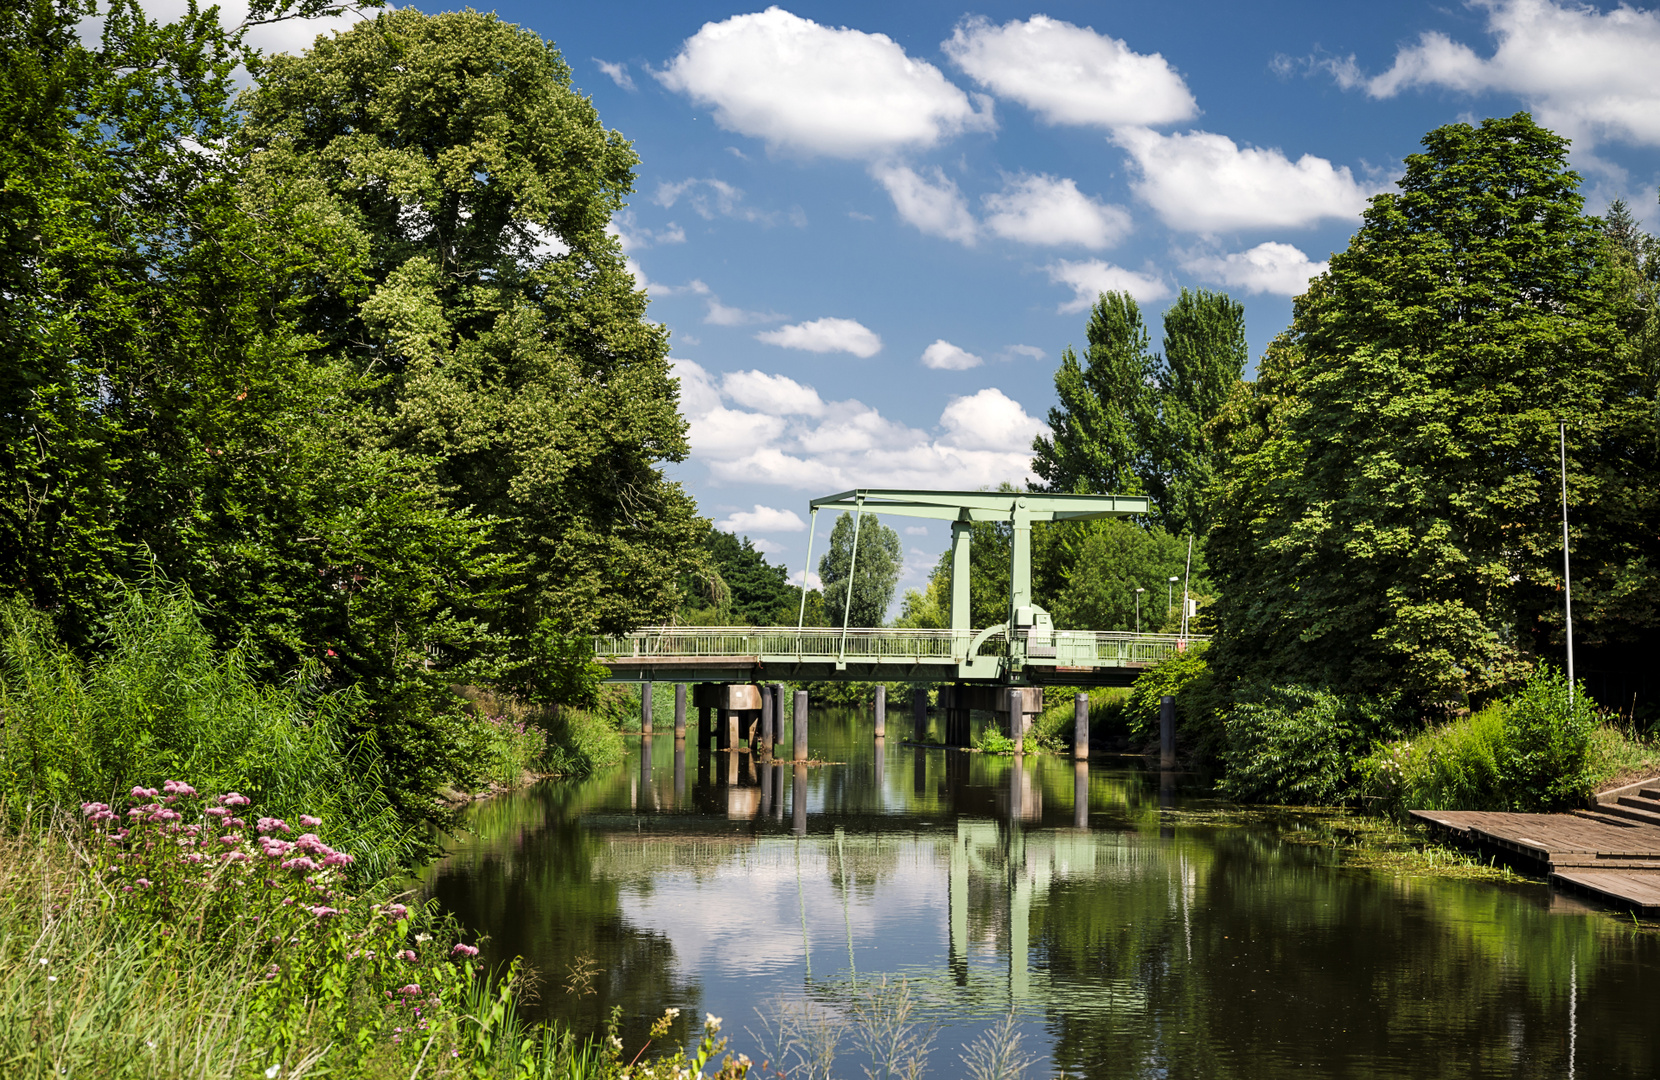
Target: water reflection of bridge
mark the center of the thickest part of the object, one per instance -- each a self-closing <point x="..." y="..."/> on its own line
<point x="1003" y="849"/>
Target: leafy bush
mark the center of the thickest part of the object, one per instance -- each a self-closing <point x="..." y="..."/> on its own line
<point x="163" y="700"/>
<point x="1530" y="752"/>
<point x="1054" y="726"/>
<point x="992" y="741"/>
<point x="1298" y="744"/>
<point x="1186" y="676"/>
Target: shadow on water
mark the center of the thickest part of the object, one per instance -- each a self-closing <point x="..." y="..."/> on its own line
<point x="1131" y="933"/>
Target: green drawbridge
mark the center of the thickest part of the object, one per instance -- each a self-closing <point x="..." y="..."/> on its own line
<point x="1026" y="649"/>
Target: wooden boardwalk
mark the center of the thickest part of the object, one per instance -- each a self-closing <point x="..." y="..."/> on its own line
<point x="1610" y="851"/>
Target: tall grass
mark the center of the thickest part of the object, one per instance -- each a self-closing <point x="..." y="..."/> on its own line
<point x="164" y="701"/>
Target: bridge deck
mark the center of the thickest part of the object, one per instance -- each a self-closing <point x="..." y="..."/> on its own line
<point x="751" y="653"/>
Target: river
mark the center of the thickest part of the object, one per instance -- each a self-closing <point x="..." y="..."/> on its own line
<point x="1129" y="925"/>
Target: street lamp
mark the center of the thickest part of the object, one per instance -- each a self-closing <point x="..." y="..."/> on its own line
<point x="1170" y="597"/>
<point x="1138" y="593"/>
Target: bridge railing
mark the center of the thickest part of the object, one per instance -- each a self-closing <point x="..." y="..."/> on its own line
<point x="1072" y="648"/>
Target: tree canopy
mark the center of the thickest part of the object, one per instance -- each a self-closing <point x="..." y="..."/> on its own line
<point x="1391" y="517"/>
<point x="872" y="578"/>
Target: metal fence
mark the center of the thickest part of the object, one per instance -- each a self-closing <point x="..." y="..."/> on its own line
<point x="1073" y="648"/>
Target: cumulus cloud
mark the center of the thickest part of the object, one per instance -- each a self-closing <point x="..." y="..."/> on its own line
<point x="1030" y="352"/>
<point x="721" y="315"/>
<point x="1266" y="268"/>
<point x="1583" y="71"/>
<point x="711" y="198"/>
<point x="916" y="530"/>
<point x="944" y="356"/>
<point x="757" y="428"/>
<point x="617" y="73"/>
<point x="812" y="89"/>
<point x="762" y="519"/>
<point x="825" y="336"/>
<point x="931" y="203"/>
<point x="287" y="36"/>
<point x="1201" y="182"/>
<point x="634" y="236"/>
<point x="1049" y="211"/>
<point x="1091" y="277"/>
<point x="776" y="394"/>
<point x="1070" y="74"/>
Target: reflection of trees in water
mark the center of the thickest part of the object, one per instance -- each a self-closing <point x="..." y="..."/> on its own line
<point x="1293" y="965"/>
<point x="526" y="875"/>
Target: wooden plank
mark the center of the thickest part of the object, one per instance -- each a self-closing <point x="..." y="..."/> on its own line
<point x="1638" y="891"/>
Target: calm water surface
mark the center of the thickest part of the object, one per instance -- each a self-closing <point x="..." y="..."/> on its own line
<point x="1131" y="932"/>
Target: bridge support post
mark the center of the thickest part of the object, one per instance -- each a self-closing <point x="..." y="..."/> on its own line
<point x="1167" y="732"/>
<point x="726" y="729"/>
<point x="881" y="709"/>
<point x="702" y="728"/>
<point x="799" y="728"/>
<point x="919" y="713"/>
<point x="1080" y="794"/>
<point x="1080" y="727"/>
<point x="680" y="710"/>
<point x="764" y="745"/>
<point x="645" y="708"/>
<point x="1017" y="718"/>
<point x="798" y="798"/>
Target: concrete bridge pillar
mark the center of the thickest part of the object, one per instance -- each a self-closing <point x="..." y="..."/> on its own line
<point x="645" y="708"/>
<point x="680" y="710"/>
<point x="919" y="713"/>
<point x="1080" y="727"/>
<point x="764" y="746"/>
<point x="799" y="727"/>
<point x="881" y="710"/>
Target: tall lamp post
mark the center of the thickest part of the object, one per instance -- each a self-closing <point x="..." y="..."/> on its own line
<point x="1138" y="593"/>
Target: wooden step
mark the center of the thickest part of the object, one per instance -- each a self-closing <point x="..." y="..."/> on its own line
<point x="1638" y="891"/>
<point x="1634" y="809"/>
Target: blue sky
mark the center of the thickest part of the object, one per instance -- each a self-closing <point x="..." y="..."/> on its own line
<point x="873" y="228"/>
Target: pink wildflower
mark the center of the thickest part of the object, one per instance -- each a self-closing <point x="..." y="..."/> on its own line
<point x="143" y="883"/>
<point x="218" y="811"/>
<point x="309" y="821"/>
<point x="304" y="862"/>
<point x="397" y="911"/>
<point x="236" y="823"/>
<point x="230" y="841"/>
<point x="231" y="798"/>
<point x="178" y="787"/>
<point x="337" y="858"/>
<point x="412" y="988"/>
<point x="409" y="955"/>
<point x="464" y="950"/>
<point x="91" y="809"/>
<point x="271" y="824"/>
<point x="321" y="911"/>
<point x="236" y="856"/>
<point x="144" y="792"/>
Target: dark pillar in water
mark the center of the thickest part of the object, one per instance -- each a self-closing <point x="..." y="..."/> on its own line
<point x="703" y="728"/>
<point x="778" y="792"/>
<point x="919" y="713"/>
<point x="1017" y="718"/>
<point x="919" y="772"/>
<point x="1167" y="732"/>
<point x="798" y="799"/>
<point x="1080" y="794"/>
<point x="645" y="770"/>
<point x="881" y="710"/>
<point x="1167" y="801"/>
<point x="645" y="708"/>
<point x="765" y="746"/>
<point x="680" y="710"/>
<point x="723" y="729"/>
<point x="679" y="771"/>
<point x="1080" y="727"/>
<point x="764" y="775"/>
<point x="799" y="728"/>
<point x="881" y="753"/>
<point x="1017" y="769"/>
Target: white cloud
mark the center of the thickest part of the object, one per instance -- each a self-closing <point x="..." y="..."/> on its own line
<point x="815" y="89"/>
<point x="721" y="315"/>
<point x="635" y="237"/>
<point x="916" y="530"/>
<point x="1266" y="268"/>
<point x="763" y="519"/>
<point x="944" y="356"/>
<point x="1045" y="210"/>
<point x="618" y="73"/>
<point x="1091" y="277"/>
<point x="1202" y="182"/>
<point x="824" y="336"/>
<point x="934" y="206"/>
<point x="777" y="394"/>
<point x="990" y="420"/>
<point x="1583" y="71"/>
<point x="711" y="198"/>
<point x="813" y="580"/>
<point x="287" y="36"/>
<point x="754" y="428"/>
<point x="1031" y="352"/>
<point x="1069" y="74"/>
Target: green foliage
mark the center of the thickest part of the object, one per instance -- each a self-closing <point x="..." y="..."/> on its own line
<point x="1131" y="422"/>
<point x="873" y="575"/>
<point x="452" y="150"/>
<point x="1054" y="727"/>
<point x="1391" y="517"/>
<point x="1102" y="563"/>
<point x="164" y="701"/>
<point x="1531" y="752"/>
<point x="738" y="587"/>
<point x="992" y="741"/>
<point x="1299" y="744"/>
<point x="1187" y="677"/>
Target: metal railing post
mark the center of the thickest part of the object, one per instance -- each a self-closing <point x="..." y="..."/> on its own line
<point x="852" y="569"/>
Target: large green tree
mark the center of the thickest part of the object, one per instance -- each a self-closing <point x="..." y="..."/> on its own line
<point x="1131" y="421"/>
<point x="492" y="315"/>
<point x="871" y="574"/>
<point x="1390" y="520"/>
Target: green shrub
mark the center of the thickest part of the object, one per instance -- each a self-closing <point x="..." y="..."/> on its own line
<point x="1530" y="752"/>
<point x="1054" y="726"/>
<point x="992" y="741"/>
<point x="1298" y="744"/>
<point x="1186" y="676"/>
